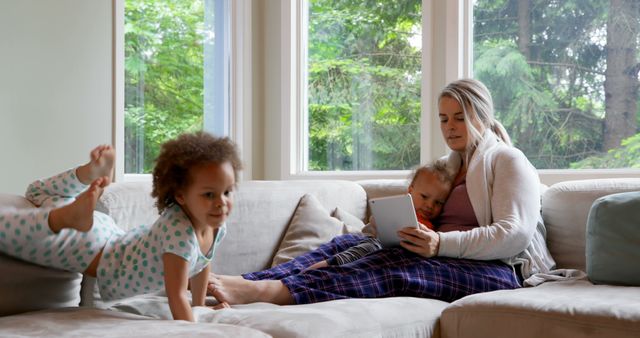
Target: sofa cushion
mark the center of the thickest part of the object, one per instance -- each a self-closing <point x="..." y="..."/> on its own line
<point x="613" y="240"/>
<point x="552" y="310"/>
<point x="86" y="322"/>
<point x="565" y="207"/>
<point x="388" y="187"/>
<point x="352" y="223"/>
<point x="129" y="204"/>
<point x="262" y="212"/>
<point x="382" y="317"/>
<point x="310" y="227"/>
<point x="27" y="287"/>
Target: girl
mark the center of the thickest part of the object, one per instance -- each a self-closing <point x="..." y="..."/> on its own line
<point x="193" y="182"/>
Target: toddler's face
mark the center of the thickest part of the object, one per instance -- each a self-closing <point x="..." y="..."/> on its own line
<point x="428" y="195"/>
<point x="208" y="200"/>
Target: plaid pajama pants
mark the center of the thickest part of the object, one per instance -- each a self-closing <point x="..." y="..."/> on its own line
<point x="389" y="272"/>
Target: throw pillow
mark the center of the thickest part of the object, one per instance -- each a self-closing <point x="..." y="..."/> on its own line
<point x="613" y="240"/>
<point x="310" y="227"/>
<point x="352" y="224"/>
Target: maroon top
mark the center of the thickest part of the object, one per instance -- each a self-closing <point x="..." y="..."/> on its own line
<point x="457" y="212"/>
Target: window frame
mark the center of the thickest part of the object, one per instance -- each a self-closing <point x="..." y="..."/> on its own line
<point x="445" y="23"/>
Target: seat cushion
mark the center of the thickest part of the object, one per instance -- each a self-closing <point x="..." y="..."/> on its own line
<point x="27" y="287"/>
<point x="613" y="240"/>
<point x="86" y="322"/>
<point x="552" y="310"/>
<point x="382" y="317"/>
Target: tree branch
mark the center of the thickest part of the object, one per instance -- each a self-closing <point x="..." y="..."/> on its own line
<point x="565" y="65"/>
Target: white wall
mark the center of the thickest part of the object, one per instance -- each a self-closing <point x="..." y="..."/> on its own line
<point x="55" y="86"/>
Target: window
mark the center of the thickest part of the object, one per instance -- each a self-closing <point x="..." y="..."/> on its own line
<point x="364" y="82"/>
<point x="567" y="99"/>
<point x="176" y="66"/>
<point x="564" y="78"/>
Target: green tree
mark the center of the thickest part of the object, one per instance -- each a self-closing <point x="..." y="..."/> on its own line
<point x="364" y="85"/>
<point x="547" y="64"/>
<point x="164" y="76"/>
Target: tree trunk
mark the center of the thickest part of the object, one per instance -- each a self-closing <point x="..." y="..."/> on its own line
<point x="621" y="76"/>
<point x="524" y="28"/>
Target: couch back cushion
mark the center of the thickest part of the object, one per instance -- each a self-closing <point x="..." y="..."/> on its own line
<point x="28" y="287"/>
<point x="262" y="212"/>
<point x="565" y="207"/>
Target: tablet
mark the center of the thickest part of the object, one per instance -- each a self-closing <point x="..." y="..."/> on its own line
<point x="391" y="214"/>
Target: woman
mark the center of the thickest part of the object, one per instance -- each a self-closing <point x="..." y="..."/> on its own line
<point x="490" y="237"/>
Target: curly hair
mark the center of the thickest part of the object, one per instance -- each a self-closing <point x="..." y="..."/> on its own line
<point x="178" y="156"/>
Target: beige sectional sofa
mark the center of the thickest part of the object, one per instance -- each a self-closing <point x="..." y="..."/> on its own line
<point x="262" y="221"/>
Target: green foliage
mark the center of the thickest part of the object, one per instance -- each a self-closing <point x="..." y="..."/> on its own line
<point x="551" y="98"/>
<point x="164" y="75"/>
<point x="627" y="156"/>
<point x="365" y="78"/>
<point x="364" y="85"/>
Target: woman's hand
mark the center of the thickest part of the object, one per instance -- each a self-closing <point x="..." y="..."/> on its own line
<point x="422" y="241"/>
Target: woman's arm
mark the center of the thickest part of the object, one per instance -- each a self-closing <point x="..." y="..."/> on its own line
<point x="505" y="192"/>
<point x="176" y="277"/>
<point x="199" y="287"/>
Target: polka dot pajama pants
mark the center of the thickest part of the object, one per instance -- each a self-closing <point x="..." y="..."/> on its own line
<point x="25" y="233"/>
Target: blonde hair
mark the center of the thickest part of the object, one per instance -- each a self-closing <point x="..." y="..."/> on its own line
<point x="477" y="105"/>
<point x="437" y="168"/>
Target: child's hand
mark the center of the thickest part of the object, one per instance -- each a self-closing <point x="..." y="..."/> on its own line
<point x="223" y="305"/>
<point x="318" y="265"/>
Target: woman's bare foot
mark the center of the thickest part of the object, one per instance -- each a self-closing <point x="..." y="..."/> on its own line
<point x="237" y="290"/>
<point x="101" y="164"/>
<point x="79" y="214"/>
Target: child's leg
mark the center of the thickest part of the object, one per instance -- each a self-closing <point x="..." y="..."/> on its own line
<point x="25" y="234"/>
<point x="61" y="189"/>
<point x="79" y="214"/>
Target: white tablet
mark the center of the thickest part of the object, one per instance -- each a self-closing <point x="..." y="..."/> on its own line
<point x="391" y="214"/>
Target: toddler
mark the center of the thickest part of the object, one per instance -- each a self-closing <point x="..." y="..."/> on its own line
<point x="193" y="182"/>
<point x="429" y="188"/>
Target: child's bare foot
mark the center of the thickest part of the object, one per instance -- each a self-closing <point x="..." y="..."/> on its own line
<point x="318" y="265"/>
<point x="79" y="214"/>
<point x="100" y="165"/>
<point x="237" y="290"/>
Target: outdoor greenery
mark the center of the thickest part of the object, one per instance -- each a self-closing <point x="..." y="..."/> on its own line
<point x="563" y="75"/>
<point x="163" y="76"/>
<point x="549" y="67"/>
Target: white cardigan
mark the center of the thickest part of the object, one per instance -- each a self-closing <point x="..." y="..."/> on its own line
<point x="504" y="190"/>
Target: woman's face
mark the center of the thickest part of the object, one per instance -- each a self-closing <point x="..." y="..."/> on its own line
<point x="454" y="130"/>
